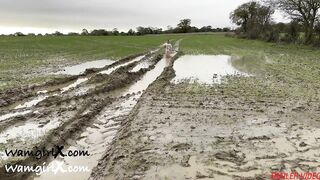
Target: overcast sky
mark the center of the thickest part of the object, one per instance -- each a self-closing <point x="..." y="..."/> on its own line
<point x="40" y="16"/>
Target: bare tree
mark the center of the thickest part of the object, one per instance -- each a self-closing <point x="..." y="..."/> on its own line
<point x="305" y="11"/>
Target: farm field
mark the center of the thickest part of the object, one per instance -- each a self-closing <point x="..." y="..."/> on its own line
<point x="22" y="57"/>
<point x="218" y="107"/>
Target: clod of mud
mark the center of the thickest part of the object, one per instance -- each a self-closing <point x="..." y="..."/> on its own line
<point x="9" y="96"/>
<point x="231" y="156"/>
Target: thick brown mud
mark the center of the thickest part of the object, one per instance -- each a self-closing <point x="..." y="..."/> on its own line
<point x="190" y="131"/>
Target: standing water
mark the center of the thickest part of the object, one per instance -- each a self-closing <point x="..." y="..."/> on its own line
<point x="80" y="68"/>
<point x="205" y="69"/>
<point x="109" y="71"/>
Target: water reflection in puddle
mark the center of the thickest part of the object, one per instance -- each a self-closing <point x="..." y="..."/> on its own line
<point x="27" y="132"/>
<point x="42" y="95"/>
<point x="110" y="70"/>
<point x="206" y="69"/>
<point x="73" y="85"/>
<point x="10" y="115"/>
<point x="141" y="65"/>
<point x="80" y="68"/>
<point x="33" y="102"/>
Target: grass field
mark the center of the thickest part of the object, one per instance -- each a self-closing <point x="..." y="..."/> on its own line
<point x="20" y="56"/>
<point x="280" y="70"/>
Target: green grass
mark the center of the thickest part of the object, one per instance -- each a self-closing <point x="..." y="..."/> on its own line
<point x="287" y="71"/>
<point x="20" y="56"/>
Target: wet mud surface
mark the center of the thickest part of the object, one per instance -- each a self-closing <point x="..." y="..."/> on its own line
<point x="187" y="131"/>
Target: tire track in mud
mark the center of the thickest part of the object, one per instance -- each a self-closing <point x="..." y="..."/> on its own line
<point x="68" y="104"/>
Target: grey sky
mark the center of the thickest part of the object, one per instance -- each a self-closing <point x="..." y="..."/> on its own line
<point x="73" y="15"/>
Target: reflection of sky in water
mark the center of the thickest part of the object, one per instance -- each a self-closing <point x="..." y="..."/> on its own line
<point x="9" y="115"/>
<point x="202" y="68"/>
<point x="33" y="102"/>
<point x="80" y="68"/>
<point x="144" y="64"/>
<point x="110" y="70"/>
<point x="73" y="85"/>
<point x="28" y="131"/>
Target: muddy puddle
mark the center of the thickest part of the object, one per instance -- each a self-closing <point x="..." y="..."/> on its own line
<point x="80" y="68"/>
<point x="14" y="114"/>
<point x="73" y="85"/>
<point x="110" y="70"/>
<point x="100" y="134"/>
<point x="33" y="102"/>
<point x="27" y="132"/>
<point x="204" y="69"/>
<point x="141" y="65"/>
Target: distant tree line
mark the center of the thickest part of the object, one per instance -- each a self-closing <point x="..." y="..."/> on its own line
<point x="184" y="26"/>
<point x="255" y="22"/>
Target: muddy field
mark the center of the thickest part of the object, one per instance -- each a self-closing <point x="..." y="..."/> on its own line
<point x="74" y="112"/>
<point x="148" y="116"/>
<point x="183" y="131"/>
